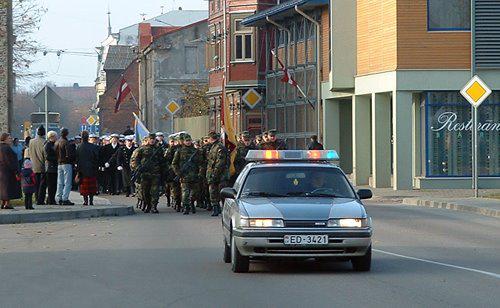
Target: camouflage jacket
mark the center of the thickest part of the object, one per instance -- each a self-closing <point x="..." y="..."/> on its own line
<point x="216" y="163"/>
<point x="151" y="158"/>
<point x="241" y="153"/>
<point x="169" y="157"/>
<point x="205" y="149"/>
<point x="190" y="173"/>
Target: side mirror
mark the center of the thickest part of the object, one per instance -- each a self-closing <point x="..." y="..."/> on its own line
<point x="228" y="193"/>
<point x="365" y="194"/>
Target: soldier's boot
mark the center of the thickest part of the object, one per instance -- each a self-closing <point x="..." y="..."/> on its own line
<point x="209" y="206"/>
<point x="155" y="209"/>
<point x="186" y="210"/>
<point x="168" y="201"/>
<point x="193" y="208"/>
<point x="216" y="211"/>
<point x="138" y="204"/>
<point x="147" y="208"/>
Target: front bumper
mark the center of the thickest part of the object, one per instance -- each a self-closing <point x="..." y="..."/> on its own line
<point x="270" y="243"/>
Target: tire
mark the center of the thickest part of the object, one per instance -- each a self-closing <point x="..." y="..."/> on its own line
<point x="363" y="263"/>
<point x="227" y="252"/>
<point x="239" y="263"/>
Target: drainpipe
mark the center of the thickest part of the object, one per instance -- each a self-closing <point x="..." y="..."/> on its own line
<point x="318" y="71"/>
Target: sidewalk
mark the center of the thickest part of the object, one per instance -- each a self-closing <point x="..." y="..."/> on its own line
<point x="44" y="213"/>
<point x="451" y="199"/>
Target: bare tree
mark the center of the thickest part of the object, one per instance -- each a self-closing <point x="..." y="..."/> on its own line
<point x="27" y="15"/>
<point x="196" y="100"/>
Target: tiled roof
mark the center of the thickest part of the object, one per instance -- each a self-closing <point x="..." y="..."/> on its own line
<point x="119" y="57"/>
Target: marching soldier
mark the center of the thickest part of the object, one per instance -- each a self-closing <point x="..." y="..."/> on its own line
<point x="273" y="142"/>
<point x="150" y="164"/>
<point x="169" y="156"/>
<point x="133" y="168"/>
<point x="186" y="166"/>
<point x="216" y="171"/>
<point x="173" y="185"/>
<point x="241" y="153"/>
<point x="204" y="192"/>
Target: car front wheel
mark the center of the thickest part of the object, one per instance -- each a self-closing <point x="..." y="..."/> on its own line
<point x="239" y="263"/>
<point x="363" y="263"/>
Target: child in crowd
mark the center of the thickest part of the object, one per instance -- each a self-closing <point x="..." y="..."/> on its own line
<point x="28" y="181"/>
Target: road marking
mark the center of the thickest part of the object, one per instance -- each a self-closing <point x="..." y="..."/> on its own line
<point x="494" y="275"/>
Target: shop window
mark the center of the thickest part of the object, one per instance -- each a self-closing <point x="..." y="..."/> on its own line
<point x="448" y="15"/>
<point x="243" y="42"/>
<point x="448" y="135"/>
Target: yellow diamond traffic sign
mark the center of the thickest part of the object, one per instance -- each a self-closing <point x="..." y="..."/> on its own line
<point x="252" y="98"/>
<point x="173" y="107"/>
<point x="91" y="120"/>
<point x="476" y="91"/>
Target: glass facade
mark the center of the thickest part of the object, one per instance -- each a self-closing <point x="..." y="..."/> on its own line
<point x="448" y="135"/>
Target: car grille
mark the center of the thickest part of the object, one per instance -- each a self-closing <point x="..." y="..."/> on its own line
<point x="305" y="250"/>
<point x="305" y="223"/>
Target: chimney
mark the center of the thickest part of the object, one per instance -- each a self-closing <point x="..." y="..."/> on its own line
<point x="145" y="35"/>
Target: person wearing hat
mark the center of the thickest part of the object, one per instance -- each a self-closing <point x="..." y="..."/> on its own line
<point x="258" y="141"/>
<point x="204" y="195"/>
<point x="87" y="159"/>
<point x="216" y="171"/>
<point x="160" y="137"/>
<point x="273" y="142"/>
<point x="123" y="163"/>
<point x="153" y="167"/>
<point x="170" y="175"/>
<point x="186" y="164"/>
<point x="51" y="167"/>
<point x="241" y="154"/>
<point x="37" y="156"/>
<point x="78" y="140"/>
<point x="108" y="162"/>
<point x="93" y="139"/>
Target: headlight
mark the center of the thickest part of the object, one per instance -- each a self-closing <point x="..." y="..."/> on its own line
<point x="261" y="223"/>
<point x="348" y="223"/>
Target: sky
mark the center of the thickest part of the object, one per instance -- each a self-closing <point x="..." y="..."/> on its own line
<point x="80" y="25"/>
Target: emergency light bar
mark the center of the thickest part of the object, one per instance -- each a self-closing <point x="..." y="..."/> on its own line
<point x="292" y="155"/>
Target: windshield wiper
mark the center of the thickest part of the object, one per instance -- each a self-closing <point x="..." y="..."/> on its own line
<point x="313" y="194"/>
<point x="263" y="194"/>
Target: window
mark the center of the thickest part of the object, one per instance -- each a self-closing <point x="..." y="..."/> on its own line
<point x="191" y="60"/>
<point x="243" y="42"/>
<point x="448" y="15"/>
<point x="297" y="181"/>
<point x="448" y="135"/>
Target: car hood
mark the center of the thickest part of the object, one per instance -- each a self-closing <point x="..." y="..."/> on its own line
<point x="303" y="208"/>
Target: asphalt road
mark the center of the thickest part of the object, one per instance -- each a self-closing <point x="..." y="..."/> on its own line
<point x="423" y="258"/>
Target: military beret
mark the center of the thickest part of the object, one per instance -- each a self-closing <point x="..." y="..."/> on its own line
<point x="171" y="137"/>
<point x="187" y="137"/>
<point x="152" y="136"/>
<point x="265" y="133"/>
<point x="159" y="134"/>
<point x="272" y="132"/>
<point x="245" y="135"/>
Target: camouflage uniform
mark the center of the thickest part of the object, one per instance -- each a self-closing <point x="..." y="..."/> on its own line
<point x="216" y="172"/>
<point x="276" y="145"/>
<point x="240" y="161"/>
<point x="204" y="192"/>
<point x="133" y="167"/>
<point x="189" y="177"/>
<point x="172" y="185"/>
<point x="150" y="156"/>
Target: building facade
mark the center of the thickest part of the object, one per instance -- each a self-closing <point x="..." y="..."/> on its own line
<point x="236" y="63"/>
<point x="171" y="61"/>
<point x="6" y="73"/>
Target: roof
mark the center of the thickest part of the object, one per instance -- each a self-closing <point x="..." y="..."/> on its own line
<point x="176" y="18"/>
<point x="77" y="94"/>
<point x="119" y="57"/>
<point x="286" y="7"/>
<point x="178" y="29"/>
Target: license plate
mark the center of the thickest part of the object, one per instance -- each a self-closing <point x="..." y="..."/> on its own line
<point x="306" y="240"/>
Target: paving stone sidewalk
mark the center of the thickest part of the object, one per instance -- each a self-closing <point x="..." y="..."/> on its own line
<point x="44" y="213"/>
<point x="452" y="199"/>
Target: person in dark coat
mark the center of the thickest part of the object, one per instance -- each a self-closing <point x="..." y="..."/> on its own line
<point x="314" y="144"/>
<point x="109" y="153"/>
<point x="51" y="167"/>
<point x="10" y="186"/>
<point x="123" y="162"/>
<point x="87" y="161"/>
<point x="28" y="183"/>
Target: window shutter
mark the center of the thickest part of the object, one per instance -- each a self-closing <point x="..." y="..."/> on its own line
<point x="487" y="34"/>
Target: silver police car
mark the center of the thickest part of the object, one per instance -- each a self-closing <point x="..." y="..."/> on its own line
<point x="295" y="204"/>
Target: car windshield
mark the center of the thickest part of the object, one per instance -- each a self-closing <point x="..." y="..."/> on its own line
<point x="297" y="182"/>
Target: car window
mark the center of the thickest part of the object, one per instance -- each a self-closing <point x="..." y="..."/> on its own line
<point x="299" y="181"/>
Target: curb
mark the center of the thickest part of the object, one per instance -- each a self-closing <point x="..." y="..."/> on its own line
<point x="34" y="217"/>
<point x="452" y="206"/>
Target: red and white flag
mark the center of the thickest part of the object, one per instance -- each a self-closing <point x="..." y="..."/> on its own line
<point x="123" y="91"/>
<point x="288" y="78"/>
